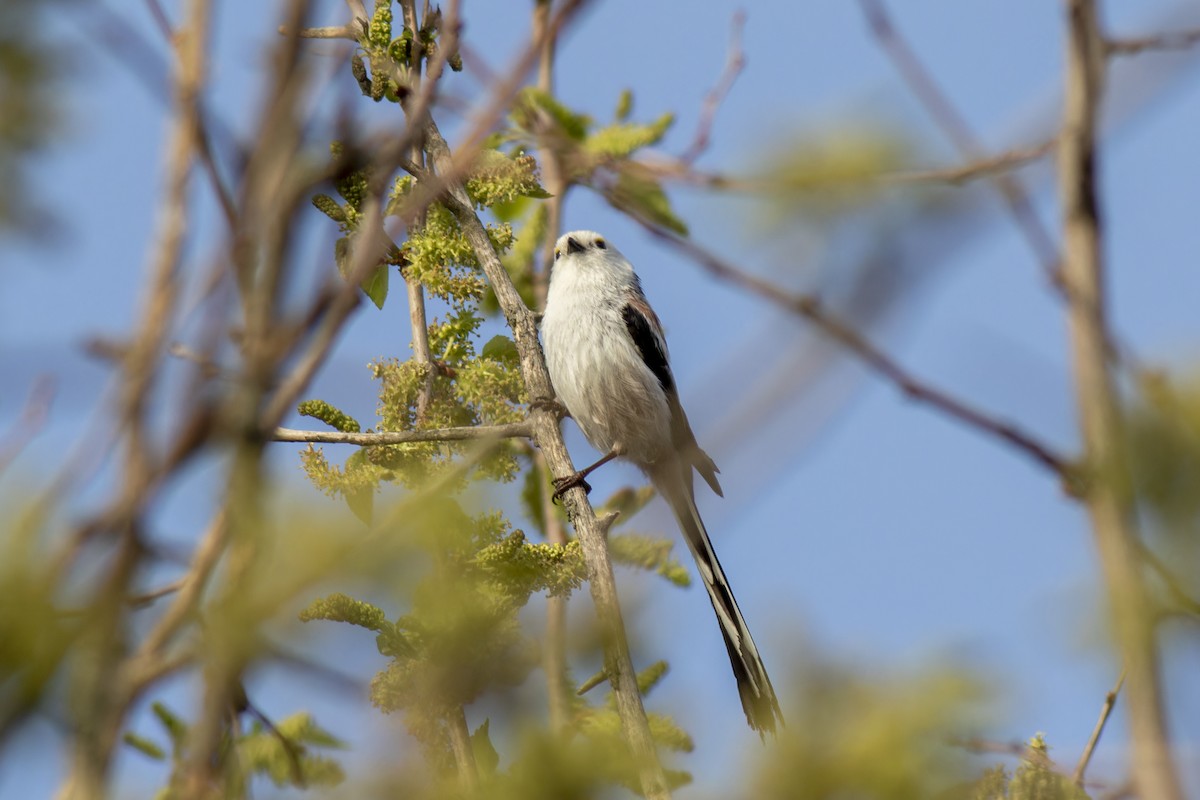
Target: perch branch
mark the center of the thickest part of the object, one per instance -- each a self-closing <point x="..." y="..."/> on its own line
<point x="548" y="438"/>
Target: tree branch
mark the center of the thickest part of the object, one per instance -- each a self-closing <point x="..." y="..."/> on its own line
<point x="513" y="430"/>
<point x="943" y="112"/>
<point x="1110" y="700"/>
<point x="1180" y="40"/>
<point x="735" y="62"/>
<point x="811" y="308"/>
<point x="1110" y="501"/>
<point x="549" y="439"/>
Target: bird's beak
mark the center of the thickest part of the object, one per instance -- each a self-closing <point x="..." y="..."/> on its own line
<point x="574" y="246"/>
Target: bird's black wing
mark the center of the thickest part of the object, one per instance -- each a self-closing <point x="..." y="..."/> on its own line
<point x="646" y="332"/>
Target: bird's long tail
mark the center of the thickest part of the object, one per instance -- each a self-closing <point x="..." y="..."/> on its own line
<point x="758" y="696"/>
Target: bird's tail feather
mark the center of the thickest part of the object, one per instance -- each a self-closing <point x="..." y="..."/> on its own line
<point x="758" y="696"/>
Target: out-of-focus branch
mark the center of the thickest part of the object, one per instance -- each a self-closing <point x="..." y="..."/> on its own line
<point x="943" y="112"/>
<point x="460" y="745"/>
<point x="987" y="167"/>
<point x="513" y="430"/>
<point x="548" y="438"/>
<point x="554" y="651"/>
<point x="31" y="420"/>
<point x="735" y="62"/>
<point x="203" y="140"/>
<point x="1110" y="500"/>
<point x="102" y="697"/>
<point x="1180" y="40"/>
<point x="1110" y="700"/>
<point x="810" y="308"/>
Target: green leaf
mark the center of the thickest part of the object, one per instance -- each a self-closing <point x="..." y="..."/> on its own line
<point x="486" y="757"/>
<point x="624" y="105"/>
<point x="644" y="198"/>
<point x="376" y="285"/>
<point x="176" y="728"/>
<point x="144" y="746"/>
<point x="648" y="553"/>
<point x="624" y="138"/>
<point x="531" y="101"/>
<point x="502" y="349"/>
<point x="360" y="499"/>
<point x="531" y="497"/>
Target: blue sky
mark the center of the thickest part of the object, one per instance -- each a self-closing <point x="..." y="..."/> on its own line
<point x="883" y="534"/>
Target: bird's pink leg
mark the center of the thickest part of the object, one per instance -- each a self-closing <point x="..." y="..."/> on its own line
<point x="561" y="485"/>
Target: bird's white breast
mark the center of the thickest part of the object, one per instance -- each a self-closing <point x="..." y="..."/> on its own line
<point x="597" y="370"/>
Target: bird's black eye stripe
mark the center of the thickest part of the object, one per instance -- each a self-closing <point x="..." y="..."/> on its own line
<point x="601" y="244"/>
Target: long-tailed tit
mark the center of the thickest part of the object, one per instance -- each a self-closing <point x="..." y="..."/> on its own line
<point x="608" y="362"/>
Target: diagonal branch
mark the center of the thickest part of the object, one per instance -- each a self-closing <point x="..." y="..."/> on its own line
<point x="943" y="112"/>
<point x="1180" y="40"/>
<point x="811" y="308"/>
<point x="735" y="62"/>
<point x="548" y="438"/>
<point x="1110" y="700"/>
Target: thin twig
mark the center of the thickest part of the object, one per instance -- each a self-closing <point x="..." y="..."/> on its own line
<point x="31" y="420"/>
<point x="1110" y="502"/>
<point x="1110" y="700"/>
<point x="735" y="62"/>
<point x="1179" y="40"/>
<point x="512" y="430"/>
<point x="146" y="598"/>
<point x="987" y="167"/>
<point x="943" y="112"/>
<point x="1179" y="595"/>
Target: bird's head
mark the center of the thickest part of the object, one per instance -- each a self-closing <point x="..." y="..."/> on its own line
<point x="589" y="250"/>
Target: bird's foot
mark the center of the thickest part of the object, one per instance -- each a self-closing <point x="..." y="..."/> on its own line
<point x="549" y="404"/>
<point x="562" y="485"/>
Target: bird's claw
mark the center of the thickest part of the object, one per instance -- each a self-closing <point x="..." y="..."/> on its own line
<point x="549" y="404"/>
<point x="562" y="485"/>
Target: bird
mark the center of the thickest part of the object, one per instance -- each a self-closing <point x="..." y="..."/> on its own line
<point x="608" y="362"/>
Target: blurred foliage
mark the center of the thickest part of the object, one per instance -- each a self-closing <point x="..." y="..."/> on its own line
<point x="874" y="739"/>
<point x="1034" y="779"/>
<point x="445" y="583"/>
<point x="283" y="755"/>
<point x="1163" y="425"/>
<point x="601" y="157"/>
<point x="30" y="68"/>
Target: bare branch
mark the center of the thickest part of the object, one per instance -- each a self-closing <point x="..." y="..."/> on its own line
<point x="735" y="62"/>
<point x="987" y="167"/>
<point x="1110" y="501"/>
<point x="811" y="308"/>
<point x="1180" y="40"/>
<point x="549" y="439"/>
<point x="943" y="112"/>
<point x="513" y="430"/>
<point x="1110" y="700"/>
<point x="326" y="32"/>
<point x="146" y="598"/>
<point x="30" y="422"/>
